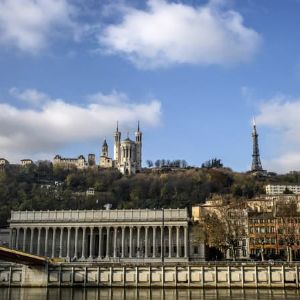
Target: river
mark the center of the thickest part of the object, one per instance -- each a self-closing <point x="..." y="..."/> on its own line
<point x="144" y="294"/>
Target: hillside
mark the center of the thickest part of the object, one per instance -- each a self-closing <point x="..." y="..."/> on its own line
<point x="43" y="187"/>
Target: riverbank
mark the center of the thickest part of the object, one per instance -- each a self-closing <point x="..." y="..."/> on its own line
<point x="193" y="275"/>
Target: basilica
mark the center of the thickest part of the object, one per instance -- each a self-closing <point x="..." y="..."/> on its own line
<point x="127" y="155"/>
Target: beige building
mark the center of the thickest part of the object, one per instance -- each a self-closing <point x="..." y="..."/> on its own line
<point x="79" y="162"/>
<point x="26" y="162"/>
<point x="105" y="160"/>
<point x="4" y="162"/>
<point x="108" y="235"/>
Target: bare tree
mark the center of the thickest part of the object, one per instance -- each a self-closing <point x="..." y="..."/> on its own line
<point x="225" y="228"/>
<point x="149" y="163"/>
<point x="287" y="215"/>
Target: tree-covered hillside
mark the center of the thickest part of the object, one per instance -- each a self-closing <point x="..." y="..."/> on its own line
<point x="42" y="187"/>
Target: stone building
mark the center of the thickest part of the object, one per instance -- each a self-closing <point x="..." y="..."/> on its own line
<point x="105" y="235"/>
<point x="127" y="153"/>
<point x="4" y="162"/>
<point x="105" y="160"/>
<point x="79" y="162"/>
<point x="26" y="162"/>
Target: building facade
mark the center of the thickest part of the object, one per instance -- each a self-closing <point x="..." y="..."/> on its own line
<point x="104" y="235"/>
<point x="26" y="162"/>
<point x="278" y="189"/>
<point x="79" y="162"/>
<point x="127" y="153"/>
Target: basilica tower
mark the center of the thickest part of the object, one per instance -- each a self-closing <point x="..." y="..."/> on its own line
<point x="117" y="144"/>
<point x="138" y="141"/>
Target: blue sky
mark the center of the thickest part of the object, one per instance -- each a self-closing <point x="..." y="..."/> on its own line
<point x="193" y="72"/>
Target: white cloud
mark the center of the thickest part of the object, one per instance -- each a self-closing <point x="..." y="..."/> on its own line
<point x="168" y="33"/>
<point x="281" y="116"/>
<point x="30" y="96"/>
<point x="57" y="123"/>
<point x="29" y="24"/>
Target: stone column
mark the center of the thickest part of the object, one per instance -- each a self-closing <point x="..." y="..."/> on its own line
<point x="76" y="242"/>
<point x="185" y="242"/>
<point x="115" y="242"/>
<point x="53" y="241"/>
<point x="130" y="242"/>
<point x="17" y="239"/>
<point x="61" y="241"/>
<point x="91" y="242"/>
<point x="107" y="241"/>
<point x="146" y="241"/>
<point x="154" y="241"/>
<point x="138" y="244"/>
<point x="46" y="241"/>
<point x="68" y="242"/>
<point x="11" y="238"/>
<point x="162" y="241"/>
<point x="24" y="239"/>
<point x="31" y="240"/>
<point x="83" y="242"/>
<point x="170" y="241"/>
<point x="100" y="243"/>
<point x="123" y="242"/>
<point x="39" y="241"/>
<point x="177" y="242"/>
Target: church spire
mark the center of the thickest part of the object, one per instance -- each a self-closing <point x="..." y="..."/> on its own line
<point x="138" y="128"/>
<point x="256" y="163"/>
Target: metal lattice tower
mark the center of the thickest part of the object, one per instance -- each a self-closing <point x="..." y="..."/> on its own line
<point x="256" y="163"/>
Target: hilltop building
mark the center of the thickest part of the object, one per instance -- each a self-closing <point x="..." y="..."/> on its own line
<point x="277" y="189"/>
<point x="26" y="162"/>
<point x="4" y="162"/>
<point x="127" y="153"/>
<point x="79" y="162"/>
<point x="105" y="160"/>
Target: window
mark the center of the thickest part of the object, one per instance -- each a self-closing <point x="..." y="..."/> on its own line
<point x="196" y="250"/>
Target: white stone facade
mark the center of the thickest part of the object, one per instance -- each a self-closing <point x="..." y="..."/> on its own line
<point x="103" y="235"/>
<point x="127" y="153"/>
<point x="280" y="189"/>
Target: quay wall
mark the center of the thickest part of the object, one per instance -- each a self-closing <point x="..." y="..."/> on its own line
<point x="240" y="275"/>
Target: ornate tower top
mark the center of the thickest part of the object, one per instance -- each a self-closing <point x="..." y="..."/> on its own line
<point x="105" y="148"/>
<point x="138" y="134"/>
<point x="256" y="163"/>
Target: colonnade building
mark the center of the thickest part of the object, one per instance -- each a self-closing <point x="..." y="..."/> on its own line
<point x="105" y="235"/>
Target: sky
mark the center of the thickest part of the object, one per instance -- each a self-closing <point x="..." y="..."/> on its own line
<point x="194" y="73"/>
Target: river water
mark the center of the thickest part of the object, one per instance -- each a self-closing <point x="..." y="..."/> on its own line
<point x="144" y="294"/>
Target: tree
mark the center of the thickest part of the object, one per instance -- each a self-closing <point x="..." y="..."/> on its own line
<point x="287" y="215"/>
<point x="224" y="228"/>
<point x="212" y="163"/>
<point x="149" y="163"/>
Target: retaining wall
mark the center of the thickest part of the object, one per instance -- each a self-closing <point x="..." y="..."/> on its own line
<point x="187" y="276"/>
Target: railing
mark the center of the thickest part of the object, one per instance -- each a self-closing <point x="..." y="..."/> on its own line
<point x="100" y="215"/>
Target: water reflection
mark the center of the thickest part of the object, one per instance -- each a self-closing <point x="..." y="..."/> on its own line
<point x="143" y="294"/>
